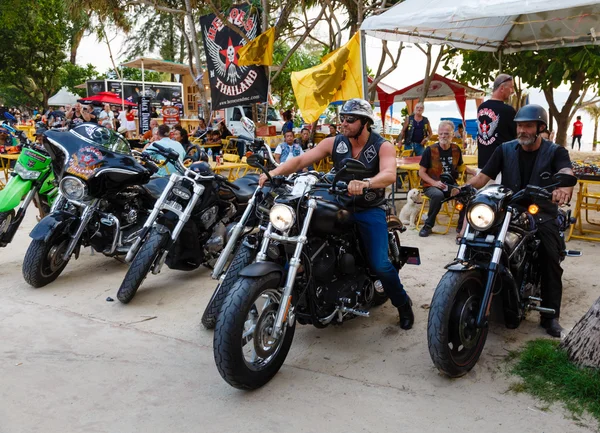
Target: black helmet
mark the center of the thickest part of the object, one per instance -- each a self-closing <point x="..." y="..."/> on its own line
<point x="202" y="168"/>
<point x="532" y="113"/>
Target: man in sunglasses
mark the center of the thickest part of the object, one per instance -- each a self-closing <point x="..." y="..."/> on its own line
<point x="495" y="120"/>
<point x="359" y="142"/>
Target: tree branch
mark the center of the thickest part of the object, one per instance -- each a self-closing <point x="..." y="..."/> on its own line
<point x="298" y="43"/>
<point x="155" y="5"/>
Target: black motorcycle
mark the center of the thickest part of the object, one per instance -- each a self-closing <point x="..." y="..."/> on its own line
<point x="105" y="194"/>
<point x="310" y="269"/>
<point x="188" y="225"/>
<point x="497" y="259"/>
<point x="246" y="237"/>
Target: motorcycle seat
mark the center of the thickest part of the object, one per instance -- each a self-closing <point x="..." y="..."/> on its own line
<point x="247" y="185"/>
<point x="156" y="186"/>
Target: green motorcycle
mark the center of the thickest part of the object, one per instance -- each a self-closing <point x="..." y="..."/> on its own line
<point x="32" y="179"/>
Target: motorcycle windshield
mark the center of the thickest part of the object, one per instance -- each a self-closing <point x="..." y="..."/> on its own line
<point x="89" y="148"/>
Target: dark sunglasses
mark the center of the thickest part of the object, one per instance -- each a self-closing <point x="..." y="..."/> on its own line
<point x="348" y="118"/>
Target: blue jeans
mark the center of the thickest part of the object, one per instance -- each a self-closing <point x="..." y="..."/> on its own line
<point x="372" y="227"/>
<point x="418" y="148"/>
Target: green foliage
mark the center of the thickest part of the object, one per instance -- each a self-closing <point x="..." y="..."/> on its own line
<point x="303" y="58"/>
<point x="34" y="37"/>
<point x="135" y="74"/>
<point x="548" y="374"/>
<point x="72" y="75"/>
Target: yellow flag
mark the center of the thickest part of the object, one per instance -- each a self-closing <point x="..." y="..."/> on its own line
<point x="259" y="51"/>
<point x="337" y="78"/>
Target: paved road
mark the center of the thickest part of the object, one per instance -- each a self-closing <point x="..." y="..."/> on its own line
<point x="72" y="362"/>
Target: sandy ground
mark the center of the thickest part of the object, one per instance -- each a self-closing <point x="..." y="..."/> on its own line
<point x="71" y="362"/>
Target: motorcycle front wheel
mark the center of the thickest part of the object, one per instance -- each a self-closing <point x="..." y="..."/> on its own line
<point x="455" y="343"/>
<point x="243" y="257"/>
<point x="140" y="265"/>
<point x="246" y="353"/>
<point x="43" y="261"/>
<point x="5" y="219"/>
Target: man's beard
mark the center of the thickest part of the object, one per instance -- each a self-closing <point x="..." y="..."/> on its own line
<point x="526" y="140"/>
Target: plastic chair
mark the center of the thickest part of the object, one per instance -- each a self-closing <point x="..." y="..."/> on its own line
<point x="228" y="157"/>
<point x="448" y="209"/>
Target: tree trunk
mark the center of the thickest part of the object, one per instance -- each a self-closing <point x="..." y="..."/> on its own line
<point x="562" y="125"/>
<point x="583" y="342"/>
<point x="595" y="142"/>
<point x="196" y="56"/>
<point x="75" y="41"/>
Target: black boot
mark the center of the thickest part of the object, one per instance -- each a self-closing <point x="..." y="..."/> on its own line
<point x="551" y="326"/>
<point x="407" y="318"/>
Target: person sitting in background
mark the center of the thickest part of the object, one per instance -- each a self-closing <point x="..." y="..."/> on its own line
<point x="214" y="137"/>
<point x="152" y="131"/>
<point x="288" y="149"/>
<point x="437" y="159"/>
<point x="164" y="140"/>
<point x="304" y="139"/>
<point x="181" y="135"/>
<point x="223" y="130"/>
<point x="461" y="134"/>
<point x="202" y="129"/>
<point x="332" y="130"/>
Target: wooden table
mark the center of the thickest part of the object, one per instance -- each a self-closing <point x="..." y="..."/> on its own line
<point x="586" y="201"/>
<point x="231" y="166"/>
<point x="5" y="159"/>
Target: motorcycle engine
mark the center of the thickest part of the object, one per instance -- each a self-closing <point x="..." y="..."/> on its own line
<point x="324" y="265"/>
<point x="209" y="216"/>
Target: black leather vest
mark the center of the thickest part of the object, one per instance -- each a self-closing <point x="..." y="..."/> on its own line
<point x="369" y="156"/>
<point x="511" y="175"/>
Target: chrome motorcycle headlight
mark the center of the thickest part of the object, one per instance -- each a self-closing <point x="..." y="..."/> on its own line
<point x="73" y="188"/>
<point x="481" y="217"/>
<point x="26" y="174"/>
<point x="282" y="217"/>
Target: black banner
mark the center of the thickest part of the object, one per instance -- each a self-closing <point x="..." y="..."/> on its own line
<point x="231" y="84"/>
<point x="144" y="114"/>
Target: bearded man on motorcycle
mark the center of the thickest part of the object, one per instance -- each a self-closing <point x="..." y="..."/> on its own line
<point x="359" y="142"/>
<point x="522" y="162"/>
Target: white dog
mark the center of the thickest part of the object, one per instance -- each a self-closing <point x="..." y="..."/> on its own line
<point x="410" y="211"/>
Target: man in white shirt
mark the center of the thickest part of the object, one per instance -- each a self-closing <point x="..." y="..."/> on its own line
<point x="288" y="149"/>
<point x="107" y="117"/>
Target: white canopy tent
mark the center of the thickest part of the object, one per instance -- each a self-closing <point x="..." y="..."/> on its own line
<point x="63" y="97"/>
<point x="490" y="25"/>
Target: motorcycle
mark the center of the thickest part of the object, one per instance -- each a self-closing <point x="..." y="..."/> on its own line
<point x="31" y="180"/>
<point x="105" y="194"/>
<point x="187" y="226"/>
<point x="497" y="259"/>
<point x="244" y="239"/>
<point x="310" y="269"/>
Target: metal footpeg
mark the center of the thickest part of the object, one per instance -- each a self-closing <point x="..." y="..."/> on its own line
<point x="543" y="310"/>
<point x="573" y="253"/>
<point x="533" y="298"/>
<point x="361" y="313"/>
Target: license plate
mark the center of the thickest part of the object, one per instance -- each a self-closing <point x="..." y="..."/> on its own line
<point x="410" y="255"/>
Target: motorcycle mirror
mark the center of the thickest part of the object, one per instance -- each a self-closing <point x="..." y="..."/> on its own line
<point x="564" y="179"/>
<point x="256" y="161"/>
<point x="354" y="166"/>
<point x="448" y="179"/>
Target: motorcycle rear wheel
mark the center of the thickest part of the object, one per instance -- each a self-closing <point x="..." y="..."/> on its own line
<point x="246" y="354"/>
<point x="243" y="257"/>
<point x="454" y="342"/>
<point x="141" y="264"/>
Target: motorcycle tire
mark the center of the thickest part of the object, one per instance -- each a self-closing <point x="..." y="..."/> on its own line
<point x="43" y="261"/>
<point x="454" y="342"/>
<point x="243" y="257"/>
<point x="6" y="218"/>
<point x="141" y="264"/>
<point x="231" y="337"/>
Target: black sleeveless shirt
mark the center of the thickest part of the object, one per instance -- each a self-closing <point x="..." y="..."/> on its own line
<point x="369" y="156"/>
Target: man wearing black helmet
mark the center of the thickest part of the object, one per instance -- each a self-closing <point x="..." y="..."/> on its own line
<point x="379" y="156"/>
<point x="521" y="162"/>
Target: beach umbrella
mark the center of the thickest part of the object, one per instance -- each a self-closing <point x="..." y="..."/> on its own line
<point x="107" y="98"/>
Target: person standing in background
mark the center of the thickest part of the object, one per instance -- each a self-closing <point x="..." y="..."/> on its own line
<point x="416" y="131"/>
<point x="495" y="120"/>
<point x="577" y="132"/>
